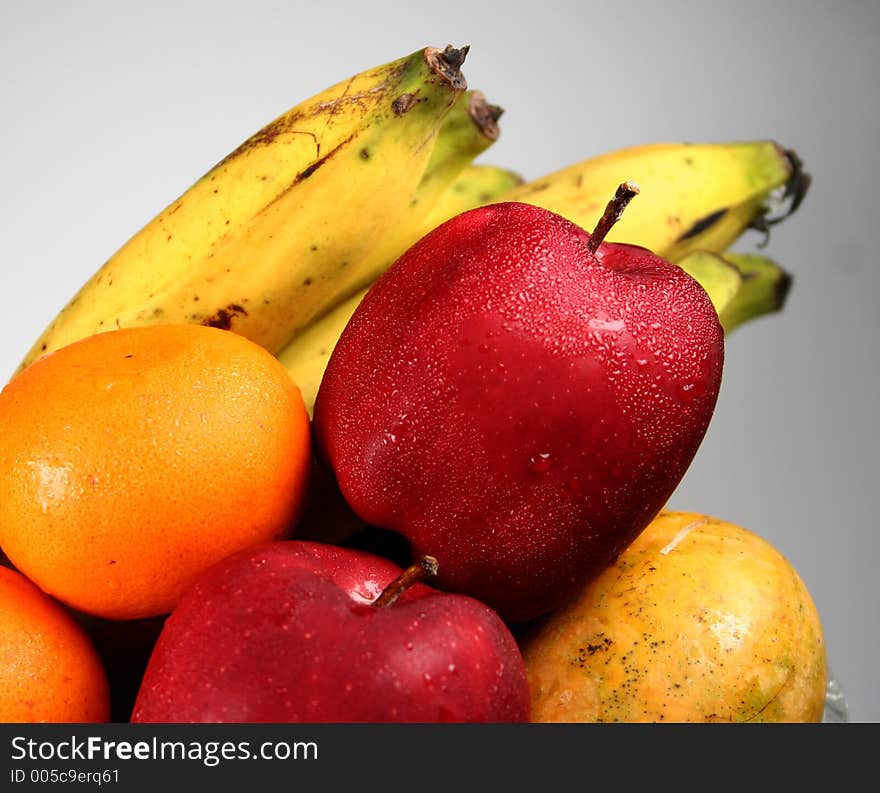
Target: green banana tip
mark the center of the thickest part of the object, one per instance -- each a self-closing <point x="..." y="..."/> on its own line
<point x="783" y="287"/>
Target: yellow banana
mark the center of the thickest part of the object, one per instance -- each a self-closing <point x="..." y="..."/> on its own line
<point x="741" y="286"/>
<point x="469" y="129"/>
<point x="764" y="290"/>
<point x="694" y="196"/>
<point x="271" y="236"/>
<point x="476" y="185"/>
<point x="719" y="277"/>
<point x="306" y="357"/>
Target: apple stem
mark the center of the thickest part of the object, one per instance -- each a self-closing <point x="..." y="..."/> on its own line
<point x="625" y="193"/>
<point x="426" y="566"/>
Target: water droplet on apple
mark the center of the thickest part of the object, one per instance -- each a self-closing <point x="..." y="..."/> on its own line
<point x="688" y="392"/>
<point x="685" y="392"/>
<point x="540" y="463"/>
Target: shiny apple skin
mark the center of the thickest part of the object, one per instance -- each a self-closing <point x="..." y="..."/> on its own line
<point x="517" y="406"/>
<point x="288" y="632"/>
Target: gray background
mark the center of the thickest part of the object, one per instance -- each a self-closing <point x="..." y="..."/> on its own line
<point x="110" y="110"/>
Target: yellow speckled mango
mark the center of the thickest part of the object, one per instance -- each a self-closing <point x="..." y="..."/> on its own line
<point x="698" y="620"/>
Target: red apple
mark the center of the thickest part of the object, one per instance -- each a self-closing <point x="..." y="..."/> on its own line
<point x="305" y="632"/>
<point x="519" y="398"/>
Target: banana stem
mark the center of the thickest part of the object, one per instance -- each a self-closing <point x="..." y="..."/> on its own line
<point x="446" y="63"/>
<point x="485" y="115"/>
<point x="625" y="193"/>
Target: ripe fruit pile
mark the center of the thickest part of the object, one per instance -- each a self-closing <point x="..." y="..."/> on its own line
<point x="359" y="430"/>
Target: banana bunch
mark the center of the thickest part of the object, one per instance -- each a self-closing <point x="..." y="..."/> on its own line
<point x="281" y="240"/>
<point x="291" y="220"/>
<point x="695" y="201"/>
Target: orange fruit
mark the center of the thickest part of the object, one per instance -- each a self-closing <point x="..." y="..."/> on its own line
<point x="132" y="460"/>
<point x="49" y="670"/>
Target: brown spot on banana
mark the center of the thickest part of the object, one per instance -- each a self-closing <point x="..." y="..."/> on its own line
<point x="224" y="316"/>
<point x="307" y="172"/>
<point x="268" y="134"/>
<point x="286" y="124"/>
<point x="537" y="188"/>
<point x="404" y="103"/>
<point x="702" y="224"/>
